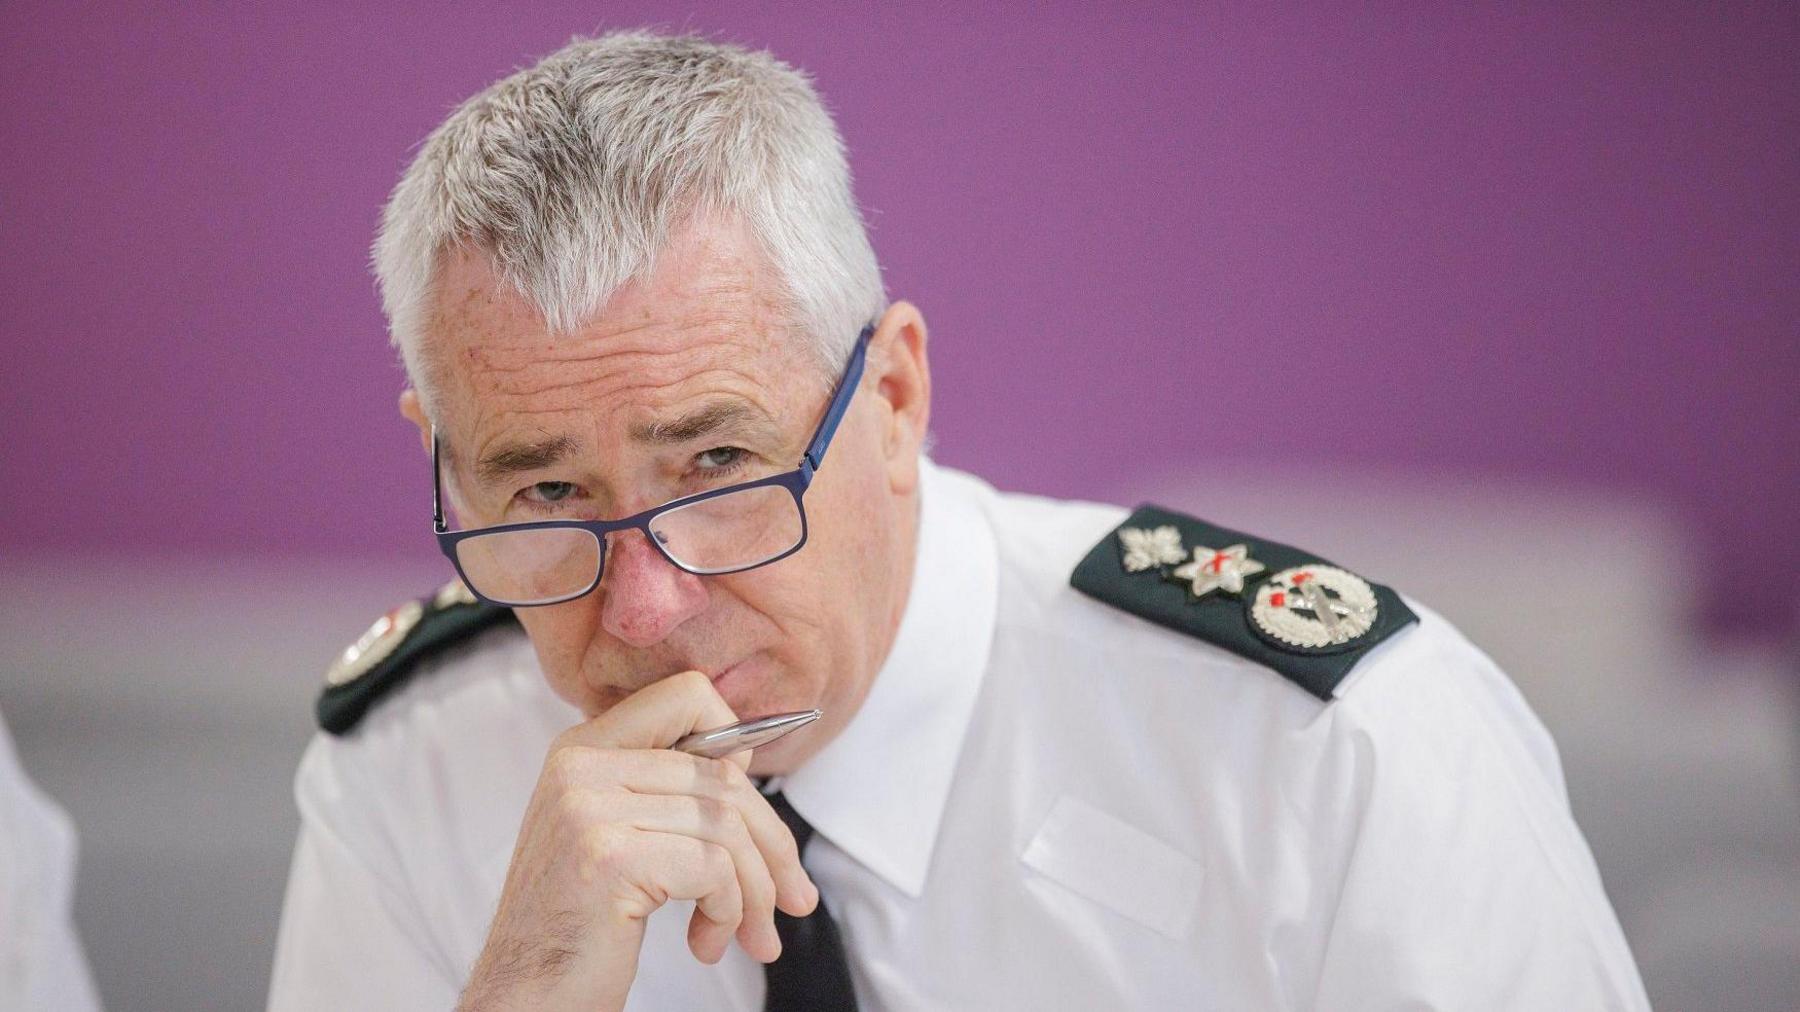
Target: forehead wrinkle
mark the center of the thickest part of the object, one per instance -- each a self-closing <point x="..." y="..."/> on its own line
<point x="515" y="378"/>
<point x="500" y="371"/>
<point x="642" y="402"/>
<point x="644" y="394"/>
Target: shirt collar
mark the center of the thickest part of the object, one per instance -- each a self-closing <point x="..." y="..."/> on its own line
<point x="877" y="790"/>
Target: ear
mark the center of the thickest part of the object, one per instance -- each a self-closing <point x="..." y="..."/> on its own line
<point x="414" y="411"/>
<point x="902" y="387"/>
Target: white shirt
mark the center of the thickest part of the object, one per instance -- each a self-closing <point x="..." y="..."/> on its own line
<point x="1044" y="802"/>
<point x="41" y="963"/>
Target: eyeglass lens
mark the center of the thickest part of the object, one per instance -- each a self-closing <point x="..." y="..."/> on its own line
<point x="721" y="534"/>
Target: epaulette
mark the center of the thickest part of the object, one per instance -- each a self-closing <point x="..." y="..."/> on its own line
<point x="385" y="658"/>
<point x="1275" y="604"/>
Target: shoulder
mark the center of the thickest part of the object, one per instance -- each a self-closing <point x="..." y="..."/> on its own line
<point x="1424" y="699"/>
<point x="388" y="656"/>
<point x="1158" y="581"/>
<point x="1037" y="539"/>
<point x="1111" y="632"/>
<point x="1095" y="594"/>
<point x="431" y="682"/>
<point x="462" y="712"/>
<point x="1125" y="656"/>
<point x="1173" y="694"/>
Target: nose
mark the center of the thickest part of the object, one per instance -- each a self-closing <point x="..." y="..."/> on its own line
<point x="644" y="597"/>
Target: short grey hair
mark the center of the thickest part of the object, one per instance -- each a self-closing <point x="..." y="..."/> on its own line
<point x="569" y="176"/>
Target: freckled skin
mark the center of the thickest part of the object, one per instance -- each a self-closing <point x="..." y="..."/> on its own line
<point x="704" y="325"/>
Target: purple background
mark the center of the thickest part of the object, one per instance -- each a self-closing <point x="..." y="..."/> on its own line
<point x="1549" y="245"/>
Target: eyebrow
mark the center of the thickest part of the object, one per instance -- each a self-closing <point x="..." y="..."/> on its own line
<point x="518" y="458"/>
<point x="498" y="465"/>
<point x="702" y="421"/>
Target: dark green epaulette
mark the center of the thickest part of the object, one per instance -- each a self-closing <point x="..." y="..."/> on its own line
<point x="1275" y="604"/>
<point x="385" y="657"/>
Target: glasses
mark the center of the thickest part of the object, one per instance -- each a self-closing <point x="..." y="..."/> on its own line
<point x="724" y="530"/>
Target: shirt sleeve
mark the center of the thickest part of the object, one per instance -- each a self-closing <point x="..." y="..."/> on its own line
<point x="42" y="965"/>
<point x="349" y="939"/>
<point x="1466" y="884"/>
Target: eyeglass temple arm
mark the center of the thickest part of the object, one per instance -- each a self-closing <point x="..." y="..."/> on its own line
<point x="437" y="486"/>
<point x="840" y="401"/>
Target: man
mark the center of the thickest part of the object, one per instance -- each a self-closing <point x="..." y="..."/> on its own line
<point x="1068" y="758"/>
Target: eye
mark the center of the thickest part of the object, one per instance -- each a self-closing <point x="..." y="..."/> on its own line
<point x="548" y="492"/>
<point x="721" y="459"/>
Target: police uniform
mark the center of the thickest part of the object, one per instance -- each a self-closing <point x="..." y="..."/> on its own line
<point x="1112" y="761"/>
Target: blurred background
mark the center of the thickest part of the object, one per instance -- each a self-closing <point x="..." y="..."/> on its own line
<point x="1497" y="306"/>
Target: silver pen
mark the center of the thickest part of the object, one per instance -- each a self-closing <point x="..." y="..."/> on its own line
<point x="723" y="741"/>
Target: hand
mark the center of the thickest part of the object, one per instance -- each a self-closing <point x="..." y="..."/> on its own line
<point x="619" y="824"/>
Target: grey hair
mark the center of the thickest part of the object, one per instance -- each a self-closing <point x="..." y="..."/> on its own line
<point x="569" y="176"/>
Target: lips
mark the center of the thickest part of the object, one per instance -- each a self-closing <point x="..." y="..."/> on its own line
<point x="736" y="680"/>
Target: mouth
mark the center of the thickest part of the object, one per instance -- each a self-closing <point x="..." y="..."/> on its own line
<point x="723" y="672"/>
<point x="736" y="680"/>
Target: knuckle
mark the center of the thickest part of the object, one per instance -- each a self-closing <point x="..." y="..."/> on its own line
<point x="565" y="766"/>
<point x="572" y="808"/>
<point x="603" y="854"/>
<point x="714" y="775"/>
<point x="733" y="777"/>
<point x="715" y="814"/>
<point x="718" y="863"/>
<point x="695" y="681"/>
<point x="762" y="895"/>
<point x="787" y="849"/>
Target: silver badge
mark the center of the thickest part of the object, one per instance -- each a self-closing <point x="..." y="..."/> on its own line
<point x="1221" y="569"/>
<point x="1314" y="607"/>
<point x="375" y="645"/>
<point x="452" y="594"/>
<point x="1148" y="549"/>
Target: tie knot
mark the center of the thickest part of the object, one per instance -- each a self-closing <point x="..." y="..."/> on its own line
<point x="801" y="829"/>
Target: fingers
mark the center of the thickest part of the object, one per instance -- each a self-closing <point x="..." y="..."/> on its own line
<point x="716" y="822"/>
<point x="660" y="771"/>
<point x="687" y="868"/>
<point x="656" y="715"/>
<point x="692" y="828"/>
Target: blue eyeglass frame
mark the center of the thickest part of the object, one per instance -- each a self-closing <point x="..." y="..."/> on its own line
<point x="796" y="482"/>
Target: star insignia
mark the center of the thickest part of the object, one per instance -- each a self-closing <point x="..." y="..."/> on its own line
<point x="1148" y="549"/>
<point x="1222" y="570"/>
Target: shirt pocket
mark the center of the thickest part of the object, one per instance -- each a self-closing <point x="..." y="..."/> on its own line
<point x="1117" y="865"/>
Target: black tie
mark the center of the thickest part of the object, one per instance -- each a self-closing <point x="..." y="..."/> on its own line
<point x="813" y="974"/>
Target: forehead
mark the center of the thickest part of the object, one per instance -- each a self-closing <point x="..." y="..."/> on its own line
<point x="706" y="320"/>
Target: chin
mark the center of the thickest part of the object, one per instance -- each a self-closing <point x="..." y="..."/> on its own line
<point x="783" y="756"/>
